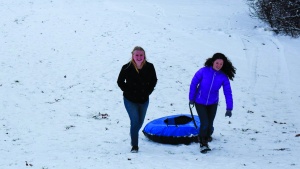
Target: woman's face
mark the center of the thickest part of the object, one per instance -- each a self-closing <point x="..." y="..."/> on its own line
<point x="138" y="57"/>
<point x="218" y="64"/>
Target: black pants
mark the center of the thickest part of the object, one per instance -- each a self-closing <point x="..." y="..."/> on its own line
<point x="207" y="116"/>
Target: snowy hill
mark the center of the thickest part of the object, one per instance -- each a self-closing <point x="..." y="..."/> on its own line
<point x="61" y="108"/>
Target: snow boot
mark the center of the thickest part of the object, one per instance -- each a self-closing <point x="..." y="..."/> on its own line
<point x="134" y="149"/>
<point x="204" y="147"/>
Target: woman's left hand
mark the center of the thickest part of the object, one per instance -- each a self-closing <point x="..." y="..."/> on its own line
<point x="228" y="113"/>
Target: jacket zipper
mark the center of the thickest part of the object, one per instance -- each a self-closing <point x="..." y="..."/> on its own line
<point x="210" y="87"/>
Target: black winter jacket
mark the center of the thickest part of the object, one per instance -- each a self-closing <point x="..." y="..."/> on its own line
<point x="136" y="86"/>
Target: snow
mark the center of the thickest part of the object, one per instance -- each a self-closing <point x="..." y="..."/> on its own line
<point x="61" y="107"/>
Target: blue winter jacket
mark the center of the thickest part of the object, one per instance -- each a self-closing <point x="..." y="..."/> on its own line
<point x="205" y="85"/>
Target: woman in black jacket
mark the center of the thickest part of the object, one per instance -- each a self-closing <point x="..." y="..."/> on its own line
<point x="137" y="80"/>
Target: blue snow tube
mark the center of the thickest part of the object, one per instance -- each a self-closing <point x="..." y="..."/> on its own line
<point x="175" y="129"/>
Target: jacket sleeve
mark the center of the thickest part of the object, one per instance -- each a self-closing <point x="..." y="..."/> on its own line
<point x="228" y="94"/>
<point x="153" y="79"/>
<point x="121" y="79"/>
<point x="195" y="84"/>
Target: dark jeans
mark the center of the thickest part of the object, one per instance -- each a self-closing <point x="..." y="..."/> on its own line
<point x="207" y="115"/>
<point x="137" y="113"/>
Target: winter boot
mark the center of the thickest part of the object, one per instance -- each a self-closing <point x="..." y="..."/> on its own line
<point x="134" y="149"/>
<point x="204" y="147"/>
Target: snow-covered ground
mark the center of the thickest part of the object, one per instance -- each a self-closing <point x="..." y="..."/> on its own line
<point x="61" y="108"/>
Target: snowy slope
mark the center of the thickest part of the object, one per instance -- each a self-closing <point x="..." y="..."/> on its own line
<point x="59" y="66"/>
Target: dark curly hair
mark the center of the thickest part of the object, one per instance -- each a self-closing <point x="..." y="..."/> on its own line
<point x="227" y="67"/>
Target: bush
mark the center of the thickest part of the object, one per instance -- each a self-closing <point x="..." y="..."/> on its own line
<point x="283" y="16"/>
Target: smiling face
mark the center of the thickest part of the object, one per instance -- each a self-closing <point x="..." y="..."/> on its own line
<point x="218" y="64"/>
<point x="138" y="57"/>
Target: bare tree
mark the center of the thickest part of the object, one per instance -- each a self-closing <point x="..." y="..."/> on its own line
<point x="283" y="16"/>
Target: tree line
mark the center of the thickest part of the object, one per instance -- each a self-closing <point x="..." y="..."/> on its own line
<point x="283" y="16"/>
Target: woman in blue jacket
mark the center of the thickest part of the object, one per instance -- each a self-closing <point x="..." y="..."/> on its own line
<point x="204" y="93"/>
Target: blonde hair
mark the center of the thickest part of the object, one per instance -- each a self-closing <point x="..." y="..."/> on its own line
<point x="132" y="61"/>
